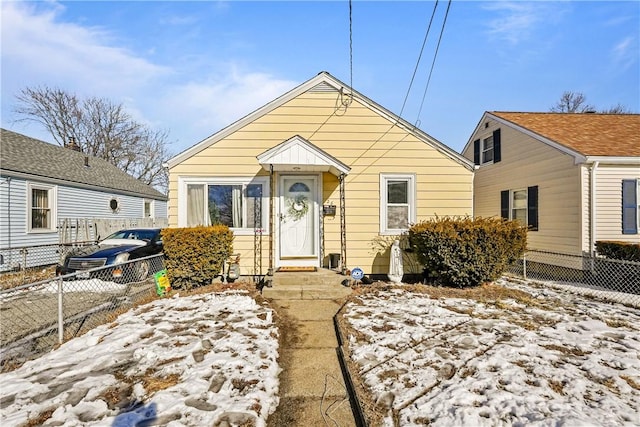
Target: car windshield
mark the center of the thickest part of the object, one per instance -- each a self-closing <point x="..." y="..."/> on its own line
<point x="133" y="234"/>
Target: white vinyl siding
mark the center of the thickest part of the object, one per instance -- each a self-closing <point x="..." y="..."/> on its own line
<point x="609" y="202"/>
<point x="72" y="203"/>
<point x="527" y="162"/>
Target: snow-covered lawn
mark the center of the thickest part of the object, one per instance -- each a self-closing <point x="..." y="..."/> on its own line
<point x="493" y="356"/>
<point x="208" y="359"/>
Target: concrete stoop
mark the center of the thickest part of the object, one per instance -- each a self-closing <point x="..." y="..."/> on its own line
<point x="320" y="284"/>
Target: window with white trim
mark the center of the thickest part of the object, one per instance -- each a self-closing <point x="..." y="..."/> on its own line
<point x="397" y="203"/>
<point x="487" y="150"/>
<point x="521" y="205"/>
<point x="239" y="203"/>
<point x="41" y="208"/>
<point x="147" y="209"/>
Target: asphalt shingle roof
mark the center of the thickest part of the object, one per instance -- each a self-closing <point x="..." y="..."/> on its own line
<point x="590" y="134"/>
<point x="22" y="154"/>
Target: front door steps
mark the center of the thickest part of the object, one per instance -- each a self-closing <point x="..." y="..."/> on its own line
<point x="320" y="284"/>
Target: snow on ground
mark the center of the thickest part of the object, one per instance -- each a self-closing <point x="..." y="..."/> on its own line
<point x="208" y="359"/>
<point x="545" y="359"/>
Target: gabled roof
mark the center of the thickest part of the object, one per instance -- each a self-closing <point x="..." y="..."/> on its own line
<point x="589" y="134"/>
<point x="296" y="152"/>
<point x="29" y="158"/>
<point x="327" y="82"/>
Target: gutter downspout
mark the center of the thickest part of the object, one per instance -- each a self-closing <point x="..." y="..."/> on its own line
<point x="592" y="209"/>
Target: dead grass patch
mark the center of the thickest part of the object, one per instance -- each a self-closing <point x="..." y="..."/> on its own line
<point x="241" y="384"/>
<point x="40" y="418"/>
<point x="556" y="386"/>
<point x="632" y="383"/>
<point x="468" y="372"/>
<point x="13" y="279"/>
<point x="384" y="328"/>
<point x="146" y="335"/>
<point x="567" y="351"/>
<point x="170" y="360"/>
<point x="617" y="323"/>
<point x="153" y="384"/>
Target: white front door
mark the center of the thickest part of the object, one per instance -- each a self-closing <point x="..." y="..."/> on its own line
<point x="298" y="220"/>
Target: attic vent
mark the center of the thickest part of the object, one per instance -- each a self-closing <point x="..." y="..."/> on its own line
<point x="323" y="87"/>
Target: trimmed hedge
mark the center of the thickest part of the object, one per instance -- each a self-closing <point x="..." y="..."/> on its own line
<point x="195" y="255"/>
<point x="464" y="252"/>
<point x="619" y="250"/>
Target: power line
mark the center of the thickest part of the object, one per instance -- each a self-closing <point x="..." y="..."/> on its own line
<point x="415" y="70"/>
<point x="350" y="46"/>
<point x="424" y="95"/>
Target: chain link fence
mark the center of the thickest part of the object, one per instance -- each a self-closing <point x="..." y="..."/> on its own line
<point x="38" y="316"/>
<point x="603" y="277"/>
<point x="25" y="264"/>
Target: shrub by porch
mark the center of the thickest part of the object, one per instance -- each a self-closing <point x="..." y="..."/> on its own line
<point x="465" y="252"/>
<point x="195" y="255"/>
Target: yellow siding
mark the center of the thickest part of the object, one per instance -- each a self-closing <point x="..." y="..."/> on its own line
<point x="358" y="137"/>
<point x="527" y="162"/>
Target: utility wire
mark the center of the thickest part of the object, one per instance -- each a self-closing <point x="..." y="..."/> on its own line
<point x="424" y="95"/>
<point x="350" y="46"/>
<point x="415" y="70"/>
<point x="405" y="98"/>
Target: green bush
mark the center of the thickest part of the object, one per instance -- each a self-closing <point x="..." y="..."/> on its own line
<point x="619" y="250"/>
<point x="195" y="256"/>
<point x="465" y="252"/>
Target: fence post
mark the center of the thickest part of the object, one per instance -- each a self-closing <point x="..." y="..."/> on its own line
<point x="60" y="312"/>
<point x="524" y="265"/>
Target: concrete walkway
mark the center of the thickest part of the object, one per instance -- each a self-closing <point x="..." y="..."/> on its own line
<point x="312" y="387"/>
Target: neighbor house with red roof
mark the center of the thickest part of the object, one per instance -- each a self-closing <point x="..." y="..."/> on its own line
<point x="573" y="179"/>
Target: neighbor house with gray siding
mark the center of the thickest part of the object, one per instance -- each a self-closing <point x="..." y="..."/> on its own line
<point x="43" y="186"/>
<point x="573" y="179"/>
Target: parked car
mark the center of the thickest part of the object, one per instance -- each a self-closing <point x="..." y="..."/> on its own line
<point x="116" y="250"/>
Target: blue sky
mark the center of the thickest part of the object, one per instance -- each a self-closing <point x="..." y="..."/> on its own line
<point x="193" y="68"/>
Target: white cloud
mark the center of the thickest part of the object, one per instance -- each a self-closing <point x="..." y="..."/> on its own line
<point x="40" y="48"/>
<point x="515" y="22"/>
<point x="224" y="98"/>
<point x="625" y="52"/>
<point x="36" y="44"/>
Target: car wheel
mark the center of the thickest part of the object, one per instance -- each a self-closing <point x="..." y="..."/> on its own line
<point x="141" y="270"/>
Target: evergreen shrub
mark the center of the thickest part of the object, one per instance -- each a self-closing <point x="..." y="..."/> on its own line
<point x="195" y="255"/>
<point x="619" y="250"/>
<point x="464" y="252"/>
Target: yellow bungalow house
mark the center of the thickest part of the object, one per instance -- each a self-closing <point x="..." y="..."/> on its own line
<point x="312" y="178"/>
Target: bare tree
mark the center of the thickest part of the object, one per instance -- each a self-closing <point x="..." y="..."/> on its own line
<point x="576" y="102"/>
<point x="617" y="109"/>
<point x="101" y="129"/>
<point x="572" y="102"/>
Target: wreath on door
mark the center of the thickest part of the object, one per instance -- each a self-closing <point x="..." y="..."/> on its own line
<point x="297" y="207"/>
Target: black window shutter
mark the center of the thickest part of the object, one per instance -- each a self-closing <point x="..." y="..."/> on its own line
<point x="496" y="146"/>
<point x="504" y="204"/>
<point x="532" y="208"/>
<point x="629" y="207"/>
<point x="476" y="152"/>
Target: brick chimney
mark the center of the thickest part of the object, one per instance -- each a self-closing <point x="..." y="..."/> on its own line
<point x="72" y="144"/>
